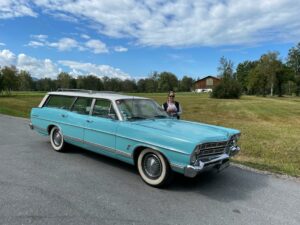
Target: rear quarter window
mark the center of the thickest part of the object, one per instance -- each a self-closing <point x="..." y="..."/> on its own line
<point x="60" y="102"/>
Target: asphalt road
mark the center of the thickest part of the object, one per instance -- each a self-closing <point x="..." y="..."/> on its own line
<point x="40" y="186"/>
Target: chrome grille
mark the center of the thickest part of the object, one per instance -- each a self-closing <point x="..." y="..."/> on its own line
<point x="212" y="149"/>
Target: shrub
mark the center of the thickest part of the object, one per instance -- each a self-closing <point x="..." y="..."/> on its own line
<point x="227" y="88"/>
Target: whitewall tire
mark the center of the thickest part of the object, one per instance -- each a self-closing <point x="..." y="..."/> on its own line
<point x="153" y="168"/>
<point x="57" y="139"/>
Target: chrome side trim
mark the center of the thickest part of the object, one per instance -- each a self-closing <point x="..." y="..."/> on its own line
<point x="102" y="147"/>
<point x="126" y="154"/>
<point x="73" y="139"/>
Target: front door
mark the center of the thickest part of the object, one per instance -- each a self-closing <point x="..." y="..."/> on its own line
<point x="101" y="126"/>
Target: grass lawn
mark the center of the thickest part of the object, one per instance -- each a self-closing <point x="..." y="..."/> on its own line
<point x="270" y="126"/>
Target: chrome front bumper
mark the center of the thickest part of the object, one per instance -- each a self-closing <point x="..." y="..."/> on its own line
<point x="221" y="162"/>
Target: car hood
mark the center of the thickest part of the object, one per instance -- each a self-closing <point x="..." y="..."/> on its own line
<point x="187" y="130"/>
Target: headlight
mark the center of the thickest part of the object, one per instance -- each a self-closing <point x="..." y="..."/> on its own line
<point x="195" y="153"/>
<point x="234" y="139"/>
<point x="193" y="158"/>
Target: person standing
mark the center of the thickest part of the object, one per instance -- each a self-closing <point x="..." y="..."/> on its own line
<point x="172" y="107"/>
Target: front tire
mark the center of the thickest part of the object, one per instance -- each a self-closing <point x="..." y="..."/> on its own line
<point x="154" y="169"/>
<point x="57" y="139"/>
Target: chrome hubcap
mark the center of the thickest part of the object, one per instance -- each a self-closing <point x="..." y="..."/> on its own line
<point x="152" y="166"/>
<point x="57" y="138"/>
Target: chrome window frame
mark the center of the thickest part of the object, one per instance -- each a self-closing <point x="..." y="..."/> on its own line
<point x="111" y="105"/>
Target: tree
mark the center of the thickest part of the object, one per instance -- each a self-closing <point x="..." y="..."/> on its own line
<point x="243" y="74"/>
<point x="283" y="75"/>
<point x="186" y="83"/>
<point x="167" y="81"/>
<point x="1" y="81"/>
<point x="25" y="81"/>
<point x="9" y="79"/>
<point x="263" y="76"/>
<point x="45" y="84"/>
<point x="129" y="86"/>
<point x="64" y="80"/>
<point x="228" y="86"/>
<point x="141" y="85"/>
<point x="89" y="82"/>
<point x="293" y="62"/>
<point x="225" y="68"/>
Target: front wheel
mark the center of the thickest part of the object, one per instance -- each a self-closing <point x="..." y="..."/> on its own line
<point x="57" y="139"/>
<point x="153" y="168"/>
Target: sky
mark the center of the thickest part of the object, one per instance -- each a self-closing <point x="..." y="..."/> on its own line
<point x="134" y="38"/>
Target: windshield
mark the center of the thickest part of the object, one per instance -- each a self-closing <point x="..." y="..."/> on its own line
<point x="134" y="109"/>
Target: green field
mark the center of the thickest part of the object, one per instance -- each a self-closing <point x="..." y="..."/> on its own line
<point x="270" y="126"/>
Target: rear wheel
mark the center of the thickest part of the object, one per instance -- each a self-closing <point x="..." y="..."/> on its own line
<point x="57" y="139"/>
<point x="153" y="168"/>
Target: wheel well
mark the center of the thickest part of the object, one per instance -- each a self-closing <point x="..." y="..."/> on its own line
<point x="50" y="128"/>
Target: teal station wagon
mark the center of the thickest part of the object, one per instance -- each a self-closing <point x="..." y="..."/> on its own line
<point x="135" y="130"/>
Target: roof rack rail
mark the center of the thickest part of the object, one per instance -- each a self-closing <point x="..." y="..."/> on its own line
<point x="87" y="91"/>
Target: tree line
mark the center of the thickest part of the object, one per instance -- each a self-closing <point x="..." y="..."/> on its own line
<point x="269" y="75"/>
<point x="13" y="80"/>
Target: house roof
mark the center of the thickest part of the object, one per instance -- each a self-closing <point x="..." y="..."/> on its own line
<point x="204" y="78"/>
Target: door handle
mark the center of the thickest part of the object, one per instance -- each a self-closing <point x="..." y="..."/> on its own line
<point x="89" y="121"/>
<point x="64" y="115"/>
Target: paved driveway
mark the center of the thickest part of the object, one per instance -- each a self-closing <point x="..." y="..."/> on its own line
<point x="40" y="186"/>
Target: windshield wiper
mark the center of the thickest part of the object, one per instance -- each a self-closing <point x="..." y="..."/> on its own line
<point x="160" y="116"/>
<point x="137" y="118"/>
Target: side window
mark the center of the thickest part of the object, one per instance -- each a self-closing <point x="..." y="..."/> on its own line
<point x="60" y="101"/>
<point x="82" y="106"/>
<point x="104" y="108"/>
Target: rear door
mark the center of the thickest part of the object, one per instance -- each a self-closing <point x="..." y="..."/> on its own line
<point x="77" y="119"/>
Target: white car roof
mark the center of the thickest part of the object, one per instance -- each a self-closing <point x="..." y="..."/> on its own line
<point x="107" y="95"/>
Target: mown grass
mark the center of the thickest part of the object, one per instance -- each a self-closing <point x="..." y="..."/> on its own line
<point x="270" y="126"/>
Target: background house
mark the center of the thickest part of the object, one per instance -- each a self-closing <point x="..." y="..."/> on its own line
<point x="206" y="84"/>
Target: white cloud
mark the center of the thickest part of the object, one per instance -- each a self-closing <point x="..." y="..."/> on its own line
<point x="37" y="67"/>
<point x="17" y="8"/>
<point x="2" y="44"/>
<point x="96" y="46"/>
<point x="40" y="37"/>
<point x="7" y="58"/>
<point x="35" y="44"/>
<point x="40" y="68"/>
<point x="120" y="49"/>
<point x="79" y="68"/>
<point x="64" y="44"/>
<point x="187" y="23"/>
<point x="85" y="36"/>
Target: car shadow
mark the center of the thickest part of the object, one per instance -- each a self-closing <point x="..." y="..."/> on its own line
<point x="72" y="149"/>
<point x="229" y="185"/>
